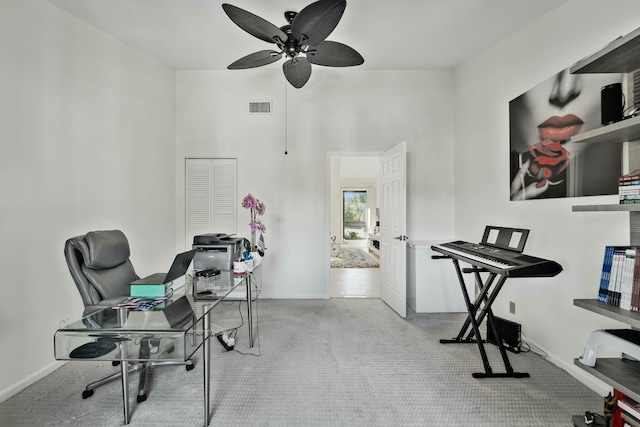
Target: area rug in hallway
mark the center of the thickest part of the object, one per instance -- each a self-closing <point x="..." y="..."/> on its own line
<point x="354" y="258"/>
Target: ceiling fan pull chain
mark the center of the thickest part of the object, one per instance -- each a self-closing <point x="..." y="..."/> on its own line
<point x="286" y="114"/>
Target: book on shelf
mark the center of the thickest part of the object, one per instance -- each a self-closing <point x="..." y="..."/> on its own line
<point x="635" y="286"/>
<point x="627" y="260"/>
<point x="629" y="190"/>
<point x="606" y="274"/>
<point x="613" y="295"/>
<point x="616" y="418"/>
<point x="631" y="176"/>
<point x="627" y="278"/>
<point x="629" y="420"/>
<point x="626" y="200"/>
<point x="620" y="277"/>
<point x="629" y="406"/>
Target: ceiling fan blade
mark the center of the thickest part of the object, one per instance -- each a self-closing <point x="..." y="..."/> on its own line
<point x="256" y="59"/>
<point x="316" y="21"/>
<point x="334" y="54"/>
<point x="297" y="71"/>
<point x="254" y="25"/>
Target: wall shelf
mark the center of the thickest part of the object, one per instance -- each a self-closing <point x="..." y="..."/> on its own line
<point x="631" y="318"/>
<point x="614" y="371"/>
<point x="619" y="56"/>
<point x="604" y="208"/>
<point x="624" y="130"/>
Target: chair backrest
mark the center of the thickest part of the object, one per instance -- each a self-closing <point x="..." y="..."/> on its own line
<point x="99" y="264"/>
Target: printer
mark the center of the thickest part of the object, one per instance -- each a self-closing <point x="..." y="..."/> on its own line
<point x="216" y="250"/>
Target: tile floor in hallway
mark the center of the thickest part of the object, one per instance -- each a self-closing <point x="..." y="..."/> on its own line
<point x="355" y="283"/>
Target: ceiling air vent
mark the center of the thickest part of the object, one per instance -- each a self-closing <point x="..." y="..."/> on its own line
<point x="261" y="107"/>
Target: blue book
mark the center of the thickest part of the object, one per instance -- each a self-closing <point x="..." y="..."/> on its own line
<point x="631" y="182"/>
<point x="606" y="274"/>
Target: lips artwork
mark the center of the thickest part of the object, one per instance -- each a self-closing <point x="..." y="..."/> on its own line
<point x="545" y="160"/>
<point x="548" y="158"/>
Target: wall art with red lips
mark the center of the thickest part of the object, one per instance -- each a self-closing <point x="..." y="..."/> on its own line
<point x="544" y="162"/>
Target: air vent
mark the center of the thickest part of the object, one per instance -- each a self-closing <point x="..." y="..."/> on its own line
<point x="262" y="107"/>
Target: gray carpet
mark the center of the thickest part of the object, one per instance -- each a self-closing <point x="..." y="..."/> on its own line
<point x="354" y="258"/>
<point x="323" y="363"/>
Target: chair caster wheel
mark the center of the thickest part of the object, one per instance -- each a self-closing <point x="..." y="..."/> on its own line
<point x="142" y="398"/>
<point x="171" y="349"/>
<point x="189" y="367"/>
<point x="115" y="363"/>
<point x="87" y="393"/>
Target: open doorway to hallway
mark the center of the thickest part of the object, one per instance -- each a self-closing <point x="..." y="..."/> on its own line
<point x="355" y="268"/>
<point x="355" y="282"/>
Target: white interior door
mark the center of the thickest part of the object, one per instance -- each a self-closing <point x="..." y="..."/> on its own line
<point x="393" y="228"/>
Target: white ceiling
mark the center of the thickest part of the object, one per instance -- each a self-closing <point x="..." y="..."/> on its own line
<point x="390" y="35"/>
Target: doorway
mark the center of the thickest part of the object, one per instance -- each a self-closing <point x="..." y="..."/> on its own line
<point x="355" y="264"/>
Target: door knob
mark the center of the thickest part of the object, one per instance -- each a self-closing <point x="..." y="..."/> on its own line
<point x="403" y="238"/>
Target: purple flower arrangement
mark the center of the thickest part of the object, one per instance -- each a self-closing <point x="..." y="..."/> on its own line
<point x="256" y="208"/>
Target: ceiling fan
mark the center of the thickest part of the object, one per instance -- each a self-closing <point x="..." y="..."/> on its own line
<point x="302" y="40"/>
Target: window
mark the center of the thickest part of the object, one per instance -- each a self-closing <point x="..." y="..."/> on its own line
<point x="211" y="197"/>
<point x="354" y="214"/>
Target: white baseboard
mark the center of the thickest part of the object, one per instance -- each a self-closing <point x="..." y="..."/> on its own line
<point x="264" y="295"/>
<point x="27" y="381"/>
<point x="593" y="383"/>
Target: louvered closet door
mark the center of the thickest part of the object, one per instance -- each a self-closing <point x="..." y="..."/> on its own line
<point x="211" y="197"/>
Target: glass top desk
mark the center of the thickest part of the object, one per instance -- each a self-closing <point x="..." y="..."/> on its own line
<point x="182" y="322"/>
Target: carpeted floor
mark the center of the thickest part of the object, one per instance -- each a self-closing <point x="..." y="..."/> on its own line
<point x="338" y="362"/>
<point x="354" y="258"/>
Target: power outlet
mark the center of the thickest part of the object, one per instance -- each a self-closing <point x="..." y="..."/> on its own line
<point x="512" y="307"/>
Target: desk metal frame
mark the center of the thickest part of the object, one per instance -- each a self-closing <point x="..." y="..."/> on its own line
<point x="121" y="352"/>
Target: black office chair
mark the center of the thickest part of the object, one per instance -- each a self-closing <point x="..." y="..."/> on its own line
<point x="100" y="267"/>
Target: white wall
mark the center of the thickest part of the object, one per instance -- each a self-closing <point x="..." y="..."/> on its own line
<point x="86" y="142"/>
<point x="484" y="88"/>
<point x="337" y="111"/>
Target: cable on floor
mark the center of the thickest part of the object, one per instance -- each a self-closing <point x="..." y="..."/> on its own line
<point x="232" y="332"/>
<point x="530" y="347"/>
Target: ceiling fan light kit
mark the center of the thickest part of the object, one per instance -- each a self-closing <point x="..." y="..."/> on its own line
<point x="302" y="40"/>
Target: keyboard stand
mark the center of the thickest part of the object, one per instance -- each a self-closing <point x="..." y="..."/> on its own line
<point x="478" y="310"/>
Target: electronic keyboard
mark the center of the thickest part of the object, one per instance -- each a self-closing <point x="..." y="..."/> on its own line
<point x="500" y="261"/>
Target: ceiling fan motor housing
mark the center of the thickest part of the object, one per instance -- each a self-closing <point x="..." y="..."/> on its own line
<point x="290" y="47"/>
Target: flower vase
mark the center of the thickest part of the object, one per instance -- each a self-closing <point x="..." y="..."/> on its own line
<point x="253" y="241"/>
